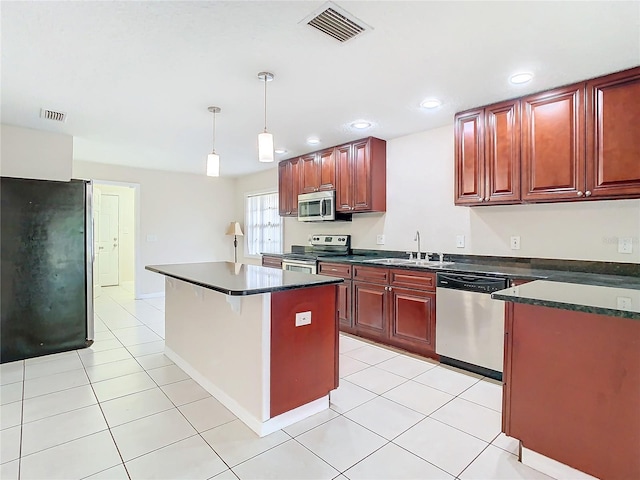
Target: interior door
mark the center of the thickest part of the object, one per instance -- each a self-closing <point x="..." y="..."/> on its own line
<point x="109" y="241"/>
<point x="97" y="201"/>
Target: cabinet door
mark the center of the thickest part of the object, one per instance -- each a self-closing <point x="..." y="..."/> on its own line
<point x="294" y="166"/>
<point x="469" y="157"/>
<point x="613" y="140"/>
<point x="502" y="152"/>
<point x="413" y="320"/>
<point x="284" y="188"/>
<point x="361" y="176"/>
<point x="344" y="179"/>
<point x="309" y="175"/>
<point x="344" y="305"/>
<point x="370" y="310"/>
<point x="553" y="156"/>
<point x="326" y="169"/>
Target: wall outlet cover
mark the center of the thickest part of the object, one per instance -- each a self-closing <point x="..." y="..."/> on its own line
<point x="380" y="240"/>
<point x="152" y="238"/>
<point x="303" y="318"/>
<point x="624" y="303"/>
<point x="625" y="245"/>
<point x="515" y="242"/>
<point x="459" y="241"/>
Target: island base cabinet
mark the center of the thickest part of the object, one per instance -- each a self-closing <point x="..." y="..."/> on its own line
<point x="571" y="388"/>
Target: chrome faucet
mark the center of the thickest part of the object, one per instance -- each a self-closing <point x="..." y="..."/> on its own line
<point x="418" y="240"/>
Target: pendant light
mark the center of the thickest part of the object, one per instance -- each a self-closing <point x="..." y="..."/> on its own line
<point x="213" y="159"/>
<point x="265" y="139"/>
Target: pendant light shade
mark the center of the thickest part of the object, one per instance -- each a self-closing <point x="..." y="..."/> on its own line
<point x="265" y="139"/>
<point x="213" y="159"/>
<point x="265" y="147"/>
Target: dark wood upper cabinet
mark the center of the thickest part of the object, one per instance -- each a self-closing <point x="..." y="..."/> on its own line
<point x="488" y="155"/>
<point x="288" y="187"/>
<point x="573" y="143"/>
<point x="362" y="178"/>
<point x="613" y="131"/>
<point x="553" y="151"/>
<point x="318" y="171"/>
<point x="469" y="157"/>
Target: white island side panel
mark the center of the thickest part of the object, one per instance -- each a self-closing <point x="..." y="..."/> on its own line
<point x="226" y="351"/>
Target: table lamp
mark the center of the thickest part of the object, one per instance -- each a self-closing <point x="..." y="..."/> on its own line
<point x="235" y="230"/>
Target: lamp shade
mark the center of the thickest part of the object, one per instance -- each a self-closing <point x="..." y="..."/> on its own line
<point x="213" y="165"/>
<point x="234" y="229"/>
<point x="265" y="147"/>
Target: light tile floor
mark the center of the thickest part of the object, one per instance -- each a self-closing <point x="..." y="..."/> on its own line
<point x="121" y="409"/>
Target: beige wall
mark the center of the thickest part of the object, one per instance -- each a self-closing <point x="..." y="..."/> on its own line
<point x="126" y="228"/>
<point x="186" y="213"/>
<point x="28" y="153"/>
<point x="420" y="197"/>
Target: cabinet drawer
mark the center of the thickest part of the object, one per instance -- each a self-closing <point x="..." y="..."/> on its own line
<point x="371" y="274"/>
<point x="273" y="262"/>
<point x="413" y="279"/>
<point x="342" y="270"/>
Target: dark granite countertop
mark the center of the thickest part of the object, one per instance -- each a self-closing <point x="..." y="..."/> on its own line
<point x="617" y="302"/>
<point x="240" y="279"/>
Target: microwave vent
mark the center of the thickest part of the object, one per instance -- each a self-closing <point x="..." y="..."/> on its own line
<point x="337" y="23"/>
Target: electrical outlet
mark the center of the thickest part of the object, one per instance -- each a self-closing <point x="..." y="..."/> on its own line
<point x="460" y="241"/>
<point x="515" y="242"/>
<point x="625" y="245"/>
<point x="624" y="303"/>
<point x="152" y="238"/>
<point x="303" y="318"/>
<point x="380" y="240"/>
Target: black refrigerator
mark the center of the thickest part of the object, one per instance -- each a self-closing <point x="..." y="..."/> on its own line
<point x="46" y="289"/>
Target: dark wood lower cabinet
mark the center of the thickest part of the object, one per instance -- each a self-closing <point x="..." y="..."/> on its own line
<point x="344" y="305"/>
<point x="370" y="310"/>
<point x="413" y="320"/>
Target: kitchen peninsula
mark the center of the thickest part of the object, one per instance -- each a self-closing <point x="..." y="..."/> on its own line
<point x="264" y="342"/>
<point x="572" y="377"/>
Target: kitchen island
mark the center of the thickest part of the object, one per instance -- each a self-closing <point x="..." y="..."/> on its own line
<point x="571" y="385"/>
<point x="264" y="342"/>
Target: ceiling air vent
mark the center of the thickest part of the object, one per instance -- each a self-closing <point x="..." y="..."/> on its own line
<point x="335" y="22"/>
<point x="52" y="115"/>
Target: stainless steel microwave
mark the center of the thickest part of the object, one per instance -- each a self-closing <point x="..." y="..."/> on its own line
<point x="317" y="206"/>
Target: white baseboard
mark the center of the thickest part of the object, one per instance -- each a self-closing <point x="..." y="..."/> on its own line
<point x="260" y="428"/>
<point x="552" y="467"/>
<point x="150" y="295"/>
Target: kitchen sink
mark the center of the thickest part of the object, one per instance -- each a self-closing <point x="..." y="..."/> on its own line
<point x="408" y="262"/>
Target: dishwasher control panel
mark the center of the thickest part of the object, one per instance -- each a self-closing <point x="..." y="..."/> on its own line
<point x="471" y="283"/>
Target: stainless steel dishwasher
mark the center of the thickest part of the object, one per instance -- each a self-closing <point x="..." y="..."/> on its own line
<point x="469" y="324"/>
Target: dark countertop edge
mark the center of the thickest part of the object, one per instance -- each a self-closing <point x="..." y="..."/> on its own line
<point x="568" y="306"/>
<point x="257" y="291"/>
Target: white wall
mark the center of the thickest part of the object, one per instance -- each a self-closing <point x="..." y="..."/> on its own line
<point x="126" y="228"/>
<point x="420" y="170"/>
<point x="187" y="213"/>
<point x="265" y="181"/>
<point x="27" y="153"/>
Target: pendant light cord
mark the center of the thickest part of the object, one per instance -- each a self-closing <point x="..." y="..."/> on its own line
<point x="265" y="103"/>
<point x="214" y="132"/>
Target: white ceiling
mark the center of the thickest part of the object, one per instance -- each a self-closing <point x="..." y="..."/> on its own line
<point x="136" y="78"/>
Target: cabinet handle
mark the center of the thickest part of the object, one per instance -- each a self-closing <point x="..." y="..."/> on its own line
<point x="588" y="193"/>
<point x="580" y="193"/>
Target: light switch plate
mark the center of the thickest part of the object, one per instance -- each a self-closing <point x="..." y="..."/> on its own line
<point x="303" y="318"/>
<point x="515" y="242"/>
<point x="460" y="241"/>
<point x="380" y="240"/>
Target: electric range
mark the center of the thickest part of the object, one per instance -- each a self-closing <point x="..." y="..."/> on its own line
<point x="305" y="258"/>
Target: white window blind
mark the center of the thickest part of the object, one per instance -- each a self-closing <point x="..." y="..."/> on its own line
<point x="263" y="224"/>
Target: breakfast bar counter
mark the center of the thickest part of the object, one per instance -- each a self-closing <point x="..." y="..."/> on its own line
<point x="264" y="342"/>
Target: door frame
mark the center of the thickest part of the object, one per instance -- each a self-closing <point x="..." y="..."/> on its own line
<point x="137" y="265"/>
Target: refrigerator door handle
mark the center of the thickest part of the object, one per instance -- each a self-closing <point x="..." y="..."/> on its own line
<point x="91" y="257"/>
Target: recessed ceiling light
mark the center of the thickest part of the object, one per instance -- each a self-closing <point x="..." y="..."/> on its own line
<point x="280" y="151"/>
<point x="313" y="140"/>
<point x="431" y="103"/>
<point x="519" y="78"/>
<point x="360" y="124"/>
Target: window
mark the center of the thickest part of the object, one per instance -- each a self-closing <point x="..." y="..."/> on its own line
<point x="263" y="224"/>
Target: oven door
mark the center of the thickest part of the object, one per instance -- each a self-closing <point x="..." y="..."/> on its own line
<point x="300" y="266"/>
